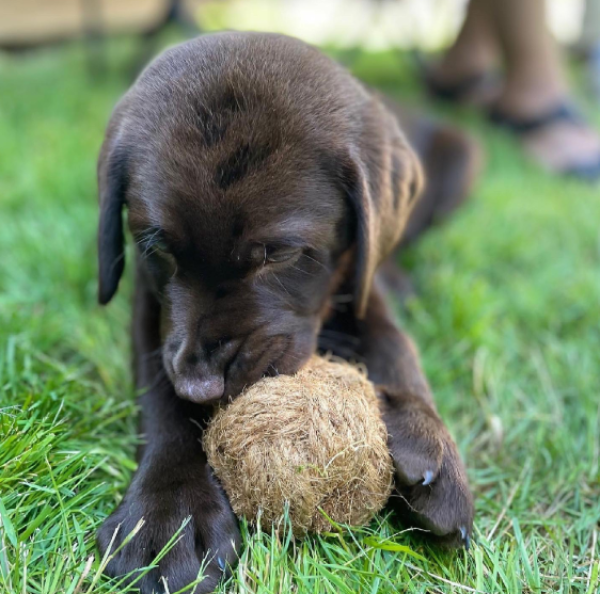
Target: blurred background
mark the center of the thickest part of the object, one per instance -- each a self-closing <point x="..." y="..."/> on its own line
<point x="349" y="27"/>
<point x="374" y="24"/>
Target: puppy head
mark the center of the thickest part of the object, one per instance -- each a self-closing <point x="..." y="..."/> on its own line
<point x="244" y="198"/>
<point x="239" y="240"/>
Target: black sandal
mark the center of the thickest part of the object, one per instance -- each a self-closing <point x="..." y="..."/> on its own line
<point x="457" y="92"/>
<point x="563" y="112"/>
<point x="460" y="91"/>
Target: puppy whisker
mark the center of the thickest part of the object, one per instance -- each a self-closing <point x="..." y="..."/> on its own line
<point x="157" y="353"/>
<point x="317" y="262"/>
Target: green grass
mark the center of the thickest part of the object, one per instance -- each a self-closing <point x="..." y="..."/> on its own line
<point x="508" y="321"/>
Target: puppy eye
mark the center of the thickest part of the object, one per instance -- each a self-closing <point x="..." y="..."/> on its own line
<point x="275" y="255"/>
<point x="161" y="247"/>
<point x="262" y="254"/>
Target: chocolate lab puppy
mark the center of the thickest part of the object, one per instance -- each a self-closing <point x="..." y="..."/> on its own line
<point x="264" y="187"/>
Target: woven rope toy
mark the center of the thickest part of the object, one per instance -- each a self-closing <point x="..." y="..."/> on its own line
<point x="314" y="440"/>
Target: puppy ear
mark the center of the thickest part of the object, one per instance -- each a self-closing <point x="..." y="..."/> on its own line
<point x="112" y="187"/>
<point x="382" y="188"/>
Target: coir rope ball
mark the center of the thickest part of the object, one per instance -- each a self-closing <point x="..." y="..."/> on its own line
<point x="314" y="440"/>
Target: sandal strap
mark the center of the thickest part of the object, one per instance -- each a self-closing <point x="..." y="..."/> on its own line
<point x="452" y="92"/>
<point x="563" y="112"/>
<point x="459" y="90"/>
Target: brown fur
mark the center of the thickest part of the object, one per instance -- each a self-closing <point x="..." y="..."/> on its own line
<point x="264" y="187"/>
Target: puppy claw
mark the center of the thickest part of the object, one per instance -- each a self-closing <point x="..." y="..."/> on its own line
<point x="465" y="537"/>
<point x="428" y="477"/>
<point x="221" y="563"/>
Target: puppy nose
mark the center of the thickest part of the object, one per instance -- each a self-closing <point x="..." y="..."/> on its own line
<point x="200" y="390"/>
<point x="199" y="370"/>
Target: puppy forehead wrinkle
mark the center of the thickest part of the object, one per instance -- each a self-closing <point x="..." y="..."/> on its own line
<point x="292" y="227"/>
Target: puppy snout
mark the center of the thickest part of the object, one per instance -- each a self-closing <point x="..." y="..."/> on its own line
<point x="200" y="390"/>
<point x="193" y="357"/>
<point x="199" y="370"/>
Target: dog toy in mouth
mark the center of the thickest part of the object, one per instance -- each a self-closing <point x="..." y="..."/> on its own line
<point x="314" y="441"/>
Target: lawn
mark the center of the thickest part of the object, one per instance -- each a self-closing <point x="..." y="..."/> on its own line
<point x="507" y="318"/>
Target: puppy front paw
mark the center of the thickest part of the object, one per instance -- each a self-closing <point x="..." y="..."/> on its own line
<point x="431" y="480"/>
<point x="207" y="545"/>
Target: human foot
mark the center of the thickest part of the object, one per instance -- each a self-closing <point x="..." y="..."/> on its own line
<point x="558" y="139"/>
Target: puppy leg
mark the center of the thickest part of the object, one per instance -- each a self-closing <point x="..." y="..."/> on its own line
<point x="430" y="477"/>
<point x="172" y="484"/>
